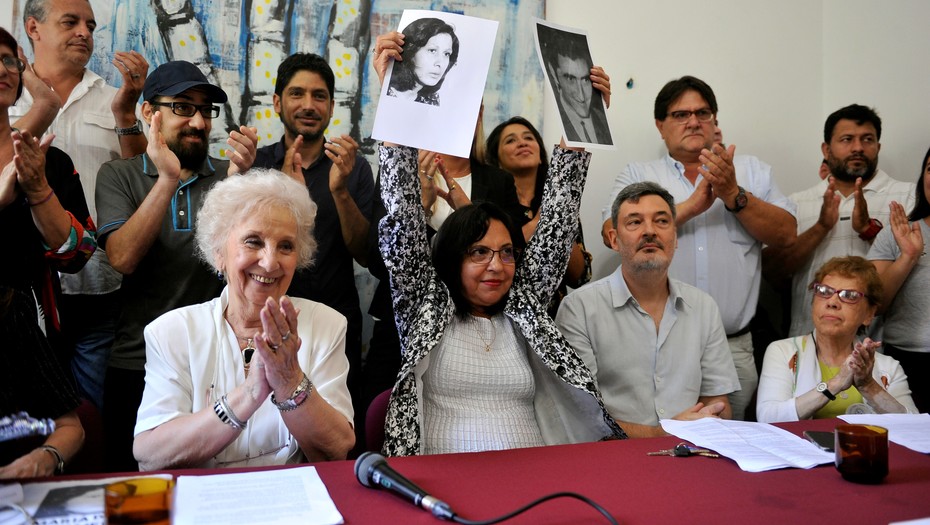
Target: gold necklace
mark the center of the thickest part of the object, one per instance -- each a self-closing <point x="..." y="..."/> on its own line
<point x="487" y="345"/>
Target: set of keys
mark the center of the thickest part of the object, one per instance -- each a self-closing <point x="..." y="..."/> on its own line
<point x="684" y="450"/>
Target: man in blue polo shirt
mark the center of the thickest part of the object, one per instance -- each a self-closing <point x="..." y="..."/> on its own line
<point x="147" y="207"/>
<point x="340" y="183"/>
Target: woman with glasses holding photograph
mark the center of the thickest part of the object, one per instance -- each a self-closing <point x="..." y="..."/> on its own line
<point x="484" y="367"/>
<point x="825" y="373"/>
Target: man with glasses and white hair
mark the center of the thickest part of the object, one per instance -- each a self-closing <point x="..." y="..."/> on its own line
<point x="728" y="207"/>
<point x="147" y="207"/>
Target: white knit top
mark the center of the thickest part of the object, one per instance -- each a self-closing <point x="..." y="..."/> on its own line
<point x="474" y="399"/>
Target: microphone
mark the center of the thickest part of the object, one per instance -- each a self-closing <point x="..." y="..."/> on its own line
<point x="373" y="471"/>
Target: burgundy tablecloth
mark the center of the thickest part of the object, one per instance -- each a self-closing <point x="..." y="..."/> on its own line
<point x="634" y="487"/>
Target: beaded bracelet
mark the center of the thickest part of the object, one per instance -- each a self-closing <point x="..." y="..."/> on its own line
<point x="43" y="201"/>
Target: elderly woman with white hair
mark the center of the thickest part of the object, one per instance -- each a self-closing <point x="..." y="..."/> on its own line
<point x="252" y="377"/>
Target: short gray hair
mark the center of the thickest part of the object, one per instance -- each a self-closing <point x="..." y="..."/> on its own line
<point x="636" y="191"/>
<point x="37" y="9"/>
<point x="238" y="196"/>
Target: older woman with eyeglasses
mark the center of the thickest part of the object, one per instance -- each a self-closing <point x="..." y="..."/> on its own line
<point x="830" y="371"/>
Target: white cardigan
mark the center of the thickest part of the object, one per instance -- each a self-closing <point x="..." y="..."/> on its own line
<point x="790" y="369"/>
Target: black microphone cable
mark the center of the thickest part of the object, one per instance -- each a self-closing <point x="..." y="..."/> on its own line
<point x="458" y="519"/>
<point x="372" y="470"/>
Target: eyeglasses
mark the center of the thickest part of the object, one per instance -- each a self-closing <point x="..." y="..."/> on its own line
<point x="186" y="109"/>
<point x="847" y="296"/>
<point x="483" y="255"/>
<point x="13" y="64"/>
<point x="703" y="115"/>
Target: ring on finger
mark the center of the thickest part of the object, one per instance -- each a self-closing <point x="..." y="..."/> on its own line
<point x="135" y="76"/>
<point x="285" y="336"/>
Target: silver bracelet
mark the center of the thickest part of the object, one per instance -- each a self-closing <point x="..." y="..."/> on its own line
<point x="297" y="398"/>
<point x="59" y="459"/>
<point x="226" y="415"/>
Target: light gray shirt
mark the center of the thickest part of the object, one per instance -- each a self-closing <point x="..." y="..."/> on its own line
<point x="644" y="375"/>
<point x="715" y="252"/>
<point x="906" y="324"/>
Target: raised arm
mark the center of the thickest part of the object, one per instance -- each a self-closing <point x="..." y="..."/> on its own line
<point x="764" y="221"/>
<point x="45" y="102"/>
<point x="128" y="245"/>
<point x="353" y="221"/>
<point x="909" y="245"/>
<point x="782" y="262"/>
<point x="134" y="68"/>
<point x="402" y="235"/>
<point x="547" y="254"/>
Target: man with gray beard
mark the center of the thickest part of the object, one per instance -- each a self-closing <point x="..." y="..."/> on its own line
<point x="840" y="215"/>
<point x="656" y="346"/>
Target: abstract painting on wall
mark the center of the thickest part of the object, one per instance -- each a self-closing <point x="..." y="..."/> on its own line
<point x="239" y="44"/>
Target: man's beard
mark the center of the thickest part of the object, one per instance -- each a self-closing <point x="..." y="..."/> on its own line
<point x="839" y="170"/>
<point x="190" y="155"/>
<point x="652" y="264"/>
<point x="309" y="136"/>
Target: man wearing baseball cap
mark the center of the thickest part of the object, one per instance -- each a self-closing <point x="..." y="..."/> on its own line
<point x="147" y="207"/>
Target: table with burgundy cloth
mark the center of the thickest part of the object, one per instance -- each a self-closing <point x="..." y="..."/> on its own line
<point x="634" y="487"/>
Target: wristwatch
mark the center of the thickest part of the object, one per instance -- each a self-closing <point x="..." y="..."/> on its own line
<point x="822" y="388"/>
<point x="297" y="398"/>
<point x="135" y="129"/>
<point x="869" y="233"/>
<point x="741" y="201"/>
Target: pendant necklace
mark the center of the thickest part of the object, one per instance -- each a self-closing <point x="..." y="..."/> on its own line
<point x="247" y="352"/>
<point x="487" y="345"/>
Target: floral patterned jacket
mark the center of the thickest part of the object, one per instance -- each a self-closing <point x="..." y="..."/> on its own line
<point x="568" y="405"/>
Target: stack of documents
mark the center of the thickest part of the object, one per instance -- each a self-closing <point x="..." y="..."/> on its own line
<point x="908" y="430"/>
<point x="756" y="447"/>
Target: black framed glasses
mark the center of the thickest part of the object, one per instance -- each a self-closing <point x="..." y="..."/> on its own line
<point x="847" y="296"/>
<point x="682" y="116"/>
<point x="13" y="64"/>
<point x="186" y="109"/>
<point x="483" y="254"/>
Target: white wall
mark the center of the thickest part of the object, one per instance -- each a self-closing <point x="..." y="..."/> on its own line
<point x="6" y="17"/>
<point x="777" y="68"/>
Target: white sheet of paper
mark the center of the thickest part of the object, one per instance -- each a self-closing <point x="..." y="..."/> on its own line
<point x="448" y="127"/>
<point x="553" y="40"/>
<point x="756" y="447"/>
<point x="908" y="430"/>
<point x="291" y="496"/>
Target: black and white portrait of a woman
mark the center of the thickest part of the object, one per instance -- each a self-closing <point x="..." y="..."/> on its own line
<point x="434" y="81"/>
<point x="431" y="49"/>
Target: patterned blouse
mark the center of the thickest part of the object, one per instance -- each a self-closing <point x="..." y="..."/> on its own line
<point x="574" y="411"/>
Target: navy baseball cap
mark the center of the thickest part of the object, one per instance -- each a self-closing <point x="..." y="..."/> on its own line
<point x="175" y="77"/>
